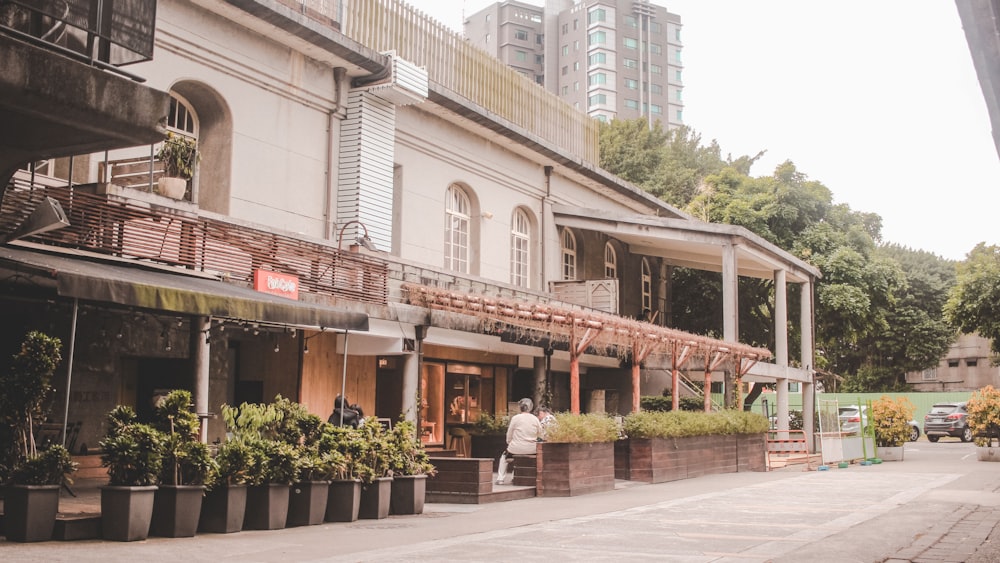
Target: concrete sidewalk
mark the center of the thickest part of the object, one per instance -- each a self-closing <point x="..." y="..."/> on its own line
<point x="938" y="505"/>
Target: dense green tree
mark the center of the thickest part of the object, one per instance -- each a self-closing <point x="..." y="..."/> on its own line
<point x="974" y="302"/>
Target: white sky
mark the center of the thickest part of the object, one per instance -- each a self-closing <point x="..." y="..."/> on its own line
<point x="879" y="101"/>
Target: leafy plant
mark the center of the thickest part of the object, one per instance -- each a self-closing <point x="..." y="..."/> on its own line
<point x="582" y="428"/>
<point x="664" y="403"/>
<point x="377" y="453"/>
<point x="272" y="437"/>
<point x="50" y="467"/>
<point x="984" y="415"/>
<point x="672" y="424"/>
<point x="132" y="452"/>
<point x="24" y="390"/>
<point x="186" y="460"/>
<point x="490" y="425"/>
<point x="232" y="461"/>
<point x="408" y="455"/>
<point x="179" y="156"/>
<point x="891" y="418"/>
<point x="350" y="444"/>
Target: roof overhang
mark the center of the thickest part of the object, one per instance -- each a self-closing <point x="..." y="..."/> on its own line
<point x="689" y="243"/>
<point x="154" y="290"/>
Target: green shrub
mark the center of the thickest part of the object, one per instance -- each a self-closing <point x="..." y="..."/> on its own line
<point x="645" y="424"/>
<point x="582" y="428"/>
<point x="664" y="403"/>
<point x="490" y="425"/>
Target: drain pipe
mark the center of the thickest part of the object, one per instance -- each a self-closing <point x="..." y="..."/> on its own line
<point x="334" y="115"/>
<point x="546" y="211"/>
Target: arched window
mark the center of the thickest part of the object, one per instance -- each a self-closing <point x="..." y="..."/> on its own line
<point x="610" y="262"/>
<point x="458" y="209"/>
<point x="647" y="287"/>
<point x="568" y="255"/>
<point x="520" y="243"/>
<point x="182" y="119"/>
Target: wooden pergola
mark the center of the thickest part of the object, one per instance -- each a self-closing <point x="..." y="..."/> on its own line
<point x="589" y="331"/>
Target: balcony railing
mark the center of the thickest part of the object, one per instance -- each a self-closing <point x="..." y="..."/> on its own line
<point x="134" y="230"/>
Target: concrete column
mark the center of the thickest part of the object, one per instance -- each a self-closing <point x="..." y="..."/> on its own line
<point x="807" y="360"/>
<point x="201" y="351"/>
<point x="411" y="380"/>
<point x="730" y="312"/>
<point x="538" y="380"/>
<point x="781" y="344"/>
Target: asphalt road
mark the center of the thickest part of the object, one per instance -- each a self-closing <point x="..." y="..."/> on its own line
<point x="861" y="513"/>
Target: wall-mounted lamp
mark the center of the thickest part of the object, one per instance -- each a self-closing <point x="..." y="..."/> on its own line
<point x="487" y="215"/>
<point x="364" y="240"/>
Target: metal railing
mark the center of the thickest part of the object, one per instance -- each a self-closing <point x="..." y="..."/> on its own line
<point x="129" y="229"/>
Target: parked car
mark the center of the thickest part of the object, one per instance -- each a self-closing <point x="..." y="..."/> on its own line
<point x="947" y="419"/>
<point x="851" y="418"/>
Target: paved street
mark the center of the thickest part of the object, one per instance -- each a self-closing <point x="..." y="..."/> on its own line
<point x="940" y="504"/>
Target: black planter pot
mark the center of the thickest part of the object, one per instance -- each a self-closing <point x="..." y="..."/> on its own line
<point x="176" y="510"/>
<point x="375" y="498"/>
<point x="344" y="501"/>
<point x="30" y="512"/>
<point x="126" y="512"/>
<point x="408" y="493"/>
<point x="222" y="510"/>
<point x="267" y="507"/>
<point x="307" y="503"/>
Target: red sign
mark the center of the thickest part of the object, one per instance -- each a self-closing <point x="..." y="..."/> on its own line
<point x="276" y="284"/>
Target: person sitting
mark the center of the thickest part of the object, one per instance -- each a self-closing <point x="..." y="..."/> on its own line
<point x="344" y="415"/>
<point x="522" y="437"/>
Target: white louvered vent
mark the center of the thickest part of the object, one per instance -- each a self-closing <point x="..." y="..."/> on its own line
<point x="407" y="85"/>
<point x="366" y="168"/>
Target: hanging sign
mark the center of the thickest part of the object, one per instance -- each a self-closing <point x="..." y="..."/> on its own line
<point x="275" y="283"/>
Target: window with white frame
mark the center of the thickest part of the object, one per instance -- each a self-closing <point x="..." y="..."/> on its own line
<point x="599" y="57"/>
<point x="520" y="245"/>
<point x="568" y="255"/>
<point x="610" y="262"/>
<point x="181" y="118"/>
<point x="647" y="286"/>
<point x="458" y="210"/>
<point x="596" y="15"/>
<point x="597" y="38"/>
<point x="521" y="35"/>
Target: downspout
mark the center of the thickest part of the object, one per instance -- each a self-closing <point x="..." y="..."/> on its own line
<point x="331" y="182"/>
<point x="546" y="208"/>
<point x="69" y="366"/>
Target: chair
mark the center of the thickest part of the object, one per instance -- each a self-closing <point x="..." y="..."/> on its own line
<point x="456" y="441"/>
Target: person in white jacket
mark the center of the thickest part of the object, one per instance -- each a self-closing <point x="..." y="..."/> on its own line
<point x="523" y="433"/>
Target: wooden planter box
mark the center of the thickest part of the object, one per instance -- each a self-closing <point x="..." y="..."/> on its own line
<point x="566" y="470"/>
<point x="489" y="445"/>
<point x="658" y="460"/>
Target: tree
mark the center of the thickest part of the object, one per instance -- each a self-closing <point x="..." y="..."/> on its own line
<point x="974" y="302"/>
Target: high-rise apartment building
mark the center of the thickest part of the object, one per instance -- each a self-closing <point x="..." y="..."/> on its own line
<point x="613" y="59"/>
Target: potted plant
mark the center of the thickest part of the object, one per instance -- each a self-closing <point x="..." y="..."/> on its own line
<point x="32" y="496"/>
<point x="577" y="456"/>
<point x="225" y="502"/>
<point x="347" y="447"/>
<point x="891" y="418"/>
<point x="179" y="156"/>
<point x="376" y="472"/>
<point x="133" y="454"/>
<point x="984" y="422"/>
<point x="410" y="467"/>
<point x="273" y="463"/>
<point x="668" y="446"/>
<point x="187" y="467"/>
<point x="308" y="496"/>
<point x="489" y="436"/>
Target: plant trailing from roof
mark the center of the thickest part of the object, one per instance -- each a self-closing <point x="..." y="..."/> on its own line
<point x="984" y="416"/>
<point x="179" y="156"/>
